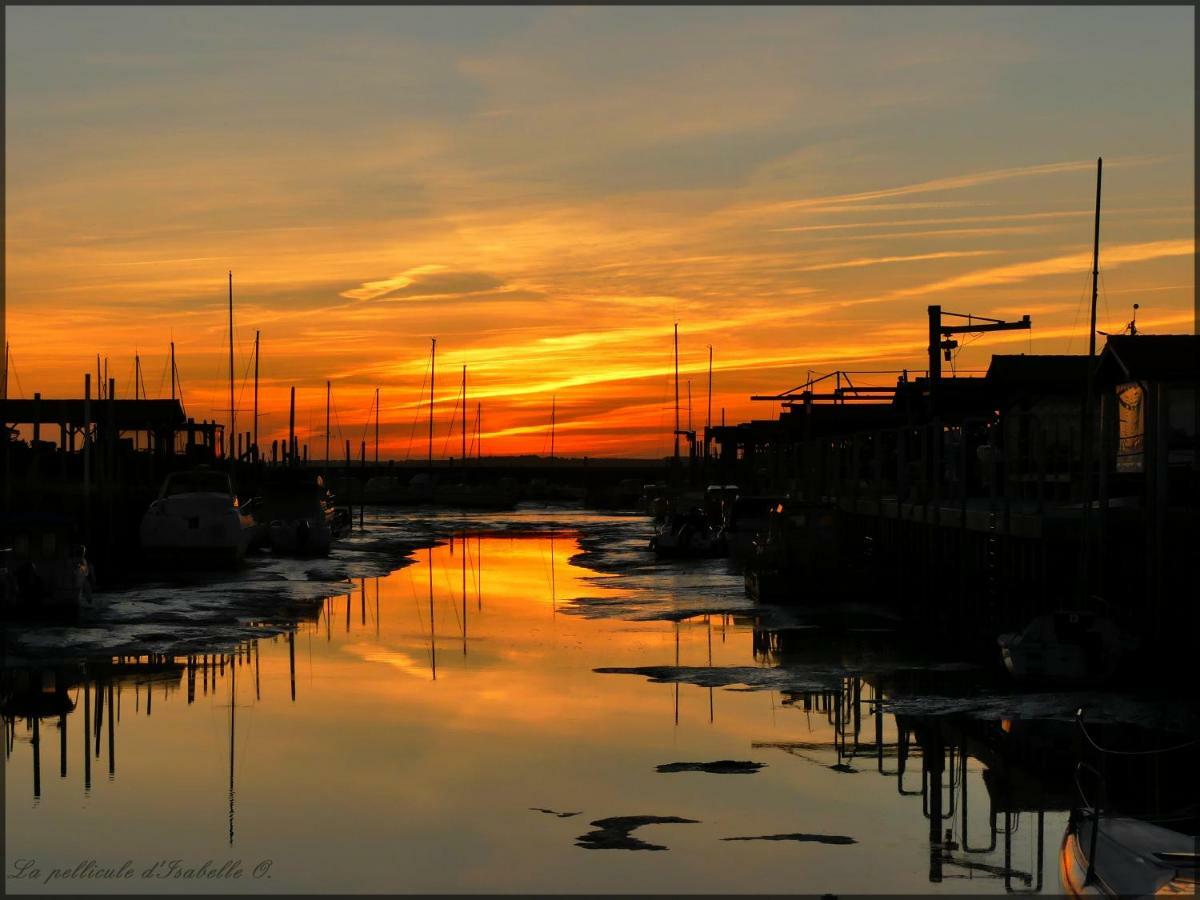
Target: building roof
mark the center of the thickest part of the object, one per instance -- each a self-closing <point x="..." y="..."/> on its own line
<point x="1154" y="357"/>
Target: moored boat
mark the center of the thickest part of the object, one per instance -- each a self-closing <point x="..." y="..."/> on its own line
<point x="197" y="518"/>
<point x="300" y="514"/>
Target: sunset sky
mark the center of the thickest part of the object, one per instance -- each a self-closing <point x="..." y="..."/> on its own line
<point x="546" y="190"/>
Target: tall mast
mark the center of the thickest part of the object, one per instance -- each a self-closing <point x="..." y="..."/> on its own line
<point x="254" y="444"/>
<point x="172" y="370"/>
<point x="479" y="431"/>
<point x="676" y="393"/>
<point x="464" y="414"/>
<point x="232" y="412"/>
<point x="99" y="380"/>
<point x="708" y="414"/>
<point x="376" y="426"/>
<point x="137" y="373"/>
<point x="432" y="365"/>
<point x="328" y="395"/>
<point x="1089" y="402"/>
<point x="4" y="384"/>
<point x="553" y="410"/>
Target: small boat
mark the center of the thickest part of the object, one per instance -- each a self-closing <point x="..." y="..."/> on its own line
<point x="745" y="518"/>
<point x="687" y="535"/>
<point x="300" y="514"/>
<point x="1066" y="646"/>
<point x="197" y="517"/>
<point x="1117" y="856"/>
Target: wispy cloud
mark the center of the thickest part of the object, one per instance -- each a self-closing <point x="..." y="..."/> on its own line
<point x="881" y="260"/>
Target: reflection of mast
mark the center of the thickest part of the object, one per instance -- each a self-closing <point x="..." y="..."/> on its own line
<point x="37" y="757"/>
<point x="87" y="738"/>
<point x="553" y="593"/>
<point x="292" y="661"/>
<point x="464" y="571"/>
<point x="479" y="580"/>
<point x="232" y="707"/>
<point x="376" y="607"/>
<point x="708" y="628"/>
<point x="112" y="738"/>
<point x="257" y="690"/>
<point x="362" y="587"/>
<point x="432" y="632"/>
<point x="676" y="666"/>
<point x="62" y="746"/>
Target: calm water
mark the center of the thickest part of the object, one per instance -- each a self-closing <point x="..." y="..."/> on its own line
<point x="407" y="735"/>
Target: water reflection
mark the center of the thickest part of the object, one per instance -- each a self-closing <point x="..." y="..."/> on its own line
<point x="401" y="732"/>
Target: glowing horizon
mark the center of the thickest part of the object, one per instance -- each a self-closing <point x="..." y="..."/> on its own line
<point x="548" y="190"/>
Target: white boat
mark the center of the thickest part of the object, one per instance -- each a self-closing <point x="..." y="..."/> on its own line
<point x="1066" y="646"/>
<point x="197" y="517"/>
<point x="1116" y="856"/>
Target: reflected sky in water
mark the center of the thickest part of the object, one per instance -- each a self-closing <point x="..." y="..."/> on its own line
<point x="436" y="710"/>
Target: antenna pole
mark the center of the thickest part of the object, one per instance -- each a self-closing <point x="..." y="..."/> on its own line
<point x="432" y="365"/>
<point x="232" y="412"/>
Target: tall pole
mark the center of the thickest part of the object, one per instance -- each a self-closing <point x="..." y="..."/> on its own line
<point x="376" y="426"/>
<point x="1089" y="403"/>
<point x="254" y="444"/>
<point x="676" y="394"/>
<point x="328" y="396"/>
<point x="99" y="380"/>
<point x="479" y="431"/>
<point x="137" y="373"/>
<point x="464" y="414"/>
<point x="553" y="410"/>
<point x="4" y="385"/>
<point x="172" y="370"/>
<point x="232" y="412"/>
<point x="432" y="365"/>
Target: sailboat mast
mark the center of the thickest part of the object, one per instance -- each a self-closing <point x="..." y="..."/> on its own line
<point x="257" y="333"/>
<point x="172" y="370"/>
<point x="464" y="414"/>
<point x="553" y="410"/>
<point x="1089" y="402"/>
<point x="432" y="366"/>
<point x="232" y="412"/>
<point x="708" y="414"/>
<point x="676" y="393"/>
<point x="137" y="374"/>
<point x="328" y="397"/>
<point x="377" y="426"/>
<point x="479" y="432"/>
